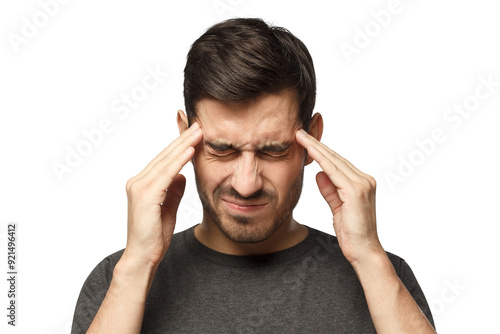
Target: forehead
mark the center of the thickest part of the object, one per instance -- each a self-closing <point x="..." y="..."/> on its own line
<point x="268" y="120"/>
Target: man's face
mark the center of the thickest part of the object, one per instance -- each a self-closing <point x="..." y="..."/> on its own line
<point x="249" y="167"/>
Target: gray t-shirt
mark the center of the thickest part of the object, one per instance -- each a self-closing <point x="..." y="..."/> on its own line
<point x="308" y="288"/>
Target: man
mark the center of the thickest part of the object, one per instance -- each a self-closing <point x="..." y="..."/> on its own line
<point x="249" y="267"/>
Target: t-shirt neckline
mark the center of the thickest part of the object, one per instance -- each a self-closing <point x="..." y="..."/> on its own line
<point x="250" y="260"/>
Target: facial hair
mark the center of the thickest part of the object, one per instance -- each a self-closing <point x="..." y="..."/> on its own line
<point x="243" y="229"/>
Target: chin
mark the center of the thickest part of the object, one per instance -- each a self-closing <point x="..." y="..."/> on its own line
<point x="247" y="230"/>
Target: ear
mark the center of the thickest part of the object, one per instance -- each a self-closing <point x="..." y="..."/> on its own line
<point x="182" y="121"/>
<point x="315" y="130"/>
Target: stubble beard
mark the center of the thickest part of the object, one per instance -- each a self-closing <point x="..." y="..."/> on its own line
<point x="243" y="229"/>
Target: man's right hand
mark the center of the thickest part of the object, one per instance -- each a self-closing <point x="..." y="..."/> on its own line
<point x="153" y="199"/>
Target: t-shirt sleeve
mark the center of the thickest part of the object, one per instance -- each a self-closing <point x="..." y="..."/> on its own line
<point x="410" y="281"/>
<point x="92" y="294"/>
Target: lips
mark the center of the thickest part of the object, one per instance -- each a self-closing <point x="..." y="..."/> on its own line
<point x="244" y="207"/>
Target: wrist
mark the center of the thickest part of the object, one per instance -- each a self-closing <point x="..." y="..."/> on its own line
<point x="373" y="259"/>
<point x="367" y="253"/>
<point x="375" y="267"/>
<point x="132" y="272"/>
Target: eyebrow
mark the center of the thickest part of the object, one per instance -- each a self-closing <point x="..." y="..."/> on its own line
<point x="223" y="145"/>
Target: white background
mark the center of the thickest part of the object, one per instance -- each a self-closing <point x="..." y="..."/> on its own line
<point x="63" y="80"/>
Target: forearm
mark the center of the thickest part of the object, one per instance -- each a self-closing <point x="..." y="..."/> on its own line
<point x="122" y="309"/>
<point x="392" y="308"/>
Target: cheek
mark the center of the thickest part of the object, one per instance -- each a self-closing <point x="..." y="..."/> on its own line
<point x="281" y="174"/>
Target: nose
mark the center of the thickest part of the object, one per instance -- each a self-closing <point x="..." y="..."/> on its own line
<point x="246" y="178"/>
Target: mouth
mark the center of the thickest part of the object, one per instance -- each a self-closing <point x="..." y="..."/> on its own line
<point x="244" y="207"/>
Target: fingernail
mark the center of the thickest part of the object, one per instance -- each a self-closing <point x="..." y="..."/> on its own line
<point x="195" y="125"/>
<point x="302" y="133"/>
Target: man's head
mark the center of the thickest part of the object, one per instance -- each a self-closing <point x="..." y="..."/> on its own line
<point x="250" y="87"/>
<point x="240" y="59"/>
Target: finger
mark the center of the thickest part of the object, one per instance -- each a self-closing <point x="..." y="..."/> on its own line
<point x="176" y="152"/>
<point x="186" y="134"/>
<point x="161" y="175"/>
<point x="336" y="175"/>
<point x="152" y="185"/>
<point x="310" y="143"/>
<point x="306" y="140"/>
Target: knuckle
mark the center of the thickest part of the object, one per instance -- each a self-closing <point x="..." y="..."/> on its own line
<point x="362" y="187"/>
<point x="358" y="190"/>
<point x="129" y="183"/>
<point x="134" y="186"/>
<point x="335" y="168"/>
<point x="372" y="181"/>
<point x="332" y="155"/>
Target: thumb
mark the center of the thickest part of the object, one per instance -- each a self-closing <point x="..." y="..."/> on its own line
<point x="329" y="191"/>
<point x="173" y="198"/>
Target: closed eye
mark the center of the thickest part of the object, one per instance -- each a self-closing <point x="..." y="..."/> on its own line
<point x="276" y="151"/>
<point x="224" y="150"/>
<point x="219" y="150"/>
<point x="275" y="154"/>
<point x="220" y="153"/>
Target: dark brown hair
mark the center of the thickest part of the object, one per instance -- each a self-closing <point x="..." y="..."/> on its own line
<point x="237" y="60"/>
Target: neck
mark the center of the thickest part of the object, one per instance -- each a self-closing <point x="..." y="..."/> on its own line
<point x="287" y="235"/>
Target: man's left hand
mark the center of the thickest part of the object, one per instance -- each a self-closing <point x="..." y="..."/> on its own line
<point x="350" y="194"/>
